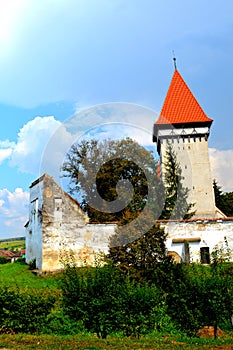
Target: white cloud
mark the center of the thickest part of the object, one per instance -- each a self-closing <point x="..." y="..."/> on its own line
<point x="6" y="148"/>
<point x="13" y="212"/>
<point x="32" y="139"/>
<point x="32" y="146"/>
<point x="222" y="167"/>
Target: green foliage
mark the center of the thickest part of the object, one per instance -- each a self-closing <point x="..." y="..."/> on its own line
<point x="96" y="168"/>
<point x="32" y="264"/>
<point x="24" y="312"/>
<point x="176" y="205"/>
<point x="200" y="296"/>
<point x="21" y="261"/>
<point x="221" y="252"/>
<point x="3" y="260"/>
<point x="57" y="322"/>
<point x="139" y="256"/>
<point x="107" y="301"/>
<point x="224" y="201"/>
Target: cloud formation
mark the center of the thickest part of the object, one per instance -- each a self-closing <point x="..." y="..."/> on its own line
<point x="222" y="167"/>
<point x="32" y="139"/>
<point x="26" y="153"/>
<point x="13" y="212"/>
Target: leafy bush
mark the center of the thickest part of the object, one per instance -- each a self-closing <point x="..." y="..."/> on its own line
<point x="21" y="261"/>
<point x="32" y="264"/>
<point x="24" y="311"/>
<point x="59" y="323"/>
<point x="107" y="301"/>
<point x="3" y="260"/>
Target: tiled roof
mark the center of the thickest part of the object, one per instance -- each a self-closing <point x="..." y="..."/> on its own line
<point x="180" y="106"/>
<point x="6" y="253"/>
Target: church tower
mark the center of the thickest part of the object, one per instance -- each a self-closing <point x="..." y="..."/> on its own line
<point x="183" y="123"/>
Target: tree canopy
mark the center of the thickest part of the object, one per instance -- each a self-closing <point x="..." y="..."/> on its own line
<point x="224" y="201"/>
<point x="116" y="178"/>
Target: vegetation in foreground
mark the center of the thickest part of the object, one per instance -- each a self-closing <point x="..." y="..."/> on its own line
<point x="105" y="302"/>
<point x="91" y="342"/>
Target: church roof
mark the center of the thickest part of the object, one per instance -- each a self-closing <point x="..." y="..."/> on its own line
<point x="180" y="105"/>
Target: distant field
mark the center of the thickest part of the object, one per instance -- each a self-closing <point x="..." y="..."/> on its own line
<point x="13" y="245"/>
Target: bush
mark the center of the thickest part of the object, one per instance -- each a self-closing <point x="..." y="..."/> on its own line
<point x="59" y="323"/>
<point x="3" y="260"/>
<point x="21" y="261"/>
<point x="24" y="311"/>
<point x="32" y="264"/>
<point x="107" y="301"/>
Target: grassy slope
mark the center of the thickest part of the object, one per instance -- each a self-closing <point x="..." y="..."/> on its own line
<point x="17" y="275"/>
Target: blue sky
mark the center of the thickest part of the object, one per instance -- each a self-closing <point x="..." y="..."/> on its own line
<point x="59" y="57"/>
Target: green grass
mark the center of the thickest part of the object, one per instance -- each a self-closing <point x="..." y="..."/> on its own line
<point x="17" y="275"/>
<point x="91" y="342"/>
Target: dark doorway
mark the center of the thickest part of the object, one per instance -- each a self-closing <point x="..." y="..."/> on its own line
<point x="205" y="255"/>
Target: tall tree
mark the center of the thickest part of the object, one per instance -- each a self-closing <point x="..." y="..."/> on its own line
<point x="138" y="248"/>
<point x="224" y="201"/>
<point x="176" y="195"/>
<point x="114" y="177"/>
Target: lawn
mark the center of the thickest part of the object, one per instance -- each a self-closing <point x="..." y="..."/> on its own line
<point x="91" y="342"/>
<point x="17" y="275"/>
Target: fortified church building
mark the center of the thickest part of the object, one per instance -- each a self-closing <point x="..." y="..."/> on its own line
<point x="57" y="223"/>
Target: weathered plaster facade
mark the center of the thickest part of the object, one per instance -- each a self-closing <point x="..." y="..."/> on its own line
<point x="193" y="157"/>
<point x="202" y="237"/>
<point x="58" y="225"/>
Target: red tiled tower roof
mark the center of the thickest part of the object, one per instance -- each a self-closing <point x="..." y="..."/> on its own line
<point x="180" y="106"/>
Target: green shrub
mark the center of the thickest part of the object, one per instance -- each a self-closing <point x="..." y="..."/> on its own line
<point x="107" y="301"/>
<point x="21" y="261"/>
<point x="32" y="264"/>
<point x="3" y="260"/>
<point x="24" y="311"/>
<point x="59" y="323"/>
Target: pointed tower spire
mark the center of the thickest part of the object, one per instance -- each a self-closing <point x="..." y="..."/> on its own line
<point x="180" y="105"/>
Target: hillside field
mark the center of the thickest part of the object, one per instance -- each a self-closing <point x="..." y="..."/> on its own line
<point x="13" y="245"/>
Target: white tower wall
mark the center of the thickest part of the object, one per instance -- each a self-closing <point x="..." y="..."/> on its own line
<point x="193" y="157"/>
